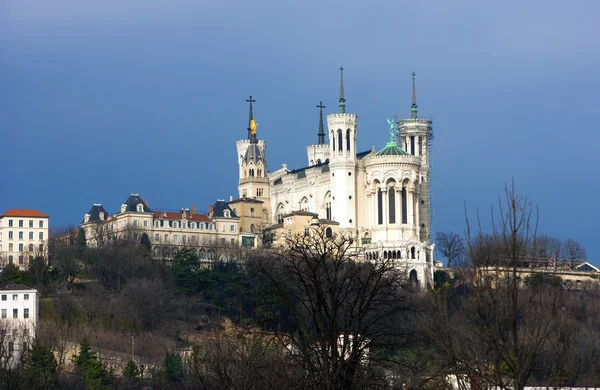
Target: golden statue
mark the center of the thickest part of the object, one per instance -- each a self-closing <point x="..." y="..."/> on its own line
<point x="253" y="126"/>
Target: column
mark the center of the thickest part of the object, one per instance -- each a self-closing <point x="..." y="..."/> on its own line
<point x="398" y="201"/>
<point x="384" y="201"/>
<point x="417" y="223"/>
<point x="410" y="202"/>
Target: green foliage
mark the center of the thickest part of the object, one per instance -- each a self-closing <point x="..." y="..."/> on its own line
<point x="131" y="372"/>
<point x="145" y="241"/>
<point x="40" y="367"/>
<point x="173" y="366"/>
<point x="80" y="241"/>
<point x="96" y="375"/>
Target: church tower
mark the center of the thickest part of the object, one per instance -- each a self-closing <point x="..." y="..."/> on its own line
<point x="342" y="162"/>
<point x="416" y="135"/>
<point x="319" y="153"/>
<point x="254" y="182"/>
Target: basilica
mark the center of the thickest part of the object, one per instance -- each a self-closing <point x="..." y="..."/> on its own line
<point x="380" y="196"/>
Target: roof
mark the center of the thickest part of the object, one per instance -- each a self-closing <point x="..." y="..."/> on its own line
<point x="24" y="213"/>
<point x="219" y="210"/>
<point x="133" y="201"/>
<point x="363" y="154"/>
<point x="16" y="286"/>
<point x="95" y="213"/>
<point x="178" y="216"/>
<point x="392" y="149"/>
<point x="246" y="200"/>
<point x="253" y="153"/>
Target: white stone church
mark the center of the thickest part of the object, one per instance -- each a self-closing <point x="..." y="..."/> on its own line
<point x="381" y="196"/>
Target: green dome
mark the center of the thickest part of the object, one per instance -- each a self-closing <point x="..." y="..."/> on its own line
<point x="392" y="149"/>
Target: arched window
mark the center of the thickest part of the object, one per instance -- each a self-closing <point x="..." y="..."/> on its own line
<point x="333" y="140"/>
<point x="328" y="233"/>
<point x="379" y="206"/>
<point x="252" y="212"/>
<point x="392" y="204"/>
<point x="348" y="140"/>
<point x="252" y="228"/>
<point x="412" y="252"/>
<point x="259" y="172"/>
<point x="413" y="278"/>
<point x="340" y="137"/>
<point x="404" y="203"/>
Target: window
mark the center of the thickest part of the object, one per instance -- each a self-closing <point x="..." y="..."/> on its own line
<point x="226" y="213"/>
<point x="20" y="247"/>
<point x="166" y="238"/>
<point x="10" y="235"/>
<point x="3" y="313"/>
<point x="41" y="236"/>
<point x="31" y="235"/>
<point x="135" y="222"/>
<point x="306" y="232"/>
<point x="15" y="297"/>
<point x="183" y="239"/>
<point x="145" y="223"/>
<point x="392" y="204"/>
<point x="175" y="238"/>
<point x="348" y="140"/>
<point x="30" y="247"/>
<point x="252" y="212"/>
<point x="15" y="313"/>
<point x="10" y="247"/>
<point x="21" y="260"/>
<point x="26" y="297"/>
<point x="404" y="205"/>
<point x="259" y="192"/>
<point x="20" y="235"/>
<point x="201" y="226"/>
<point x="328" y="233"/>
<point x="41" y="224"/>
<point x="223" y="241"/>
<point x="25" y="313"/>
<point x="4" y="297"/>
<point x="41" y="247"/>
<point x="379" y="207"/>
<point x="156" y="237"/>
<point x="233" y="241"/>
<point x="10" y="223"/>
<point x="232" y="228"/>
<point x="10" y="259"/>
<point x="289" y="233"/>
<point x="20" y="223"/>
<point x="340" y="137"/>
<point x="31" y="223"/>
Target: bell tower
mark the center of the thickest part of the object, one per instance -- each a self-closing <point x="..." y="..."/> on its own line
<point x="253" y="179"/>
<point x="342" y="162"/>
<point x="416" y="136"/>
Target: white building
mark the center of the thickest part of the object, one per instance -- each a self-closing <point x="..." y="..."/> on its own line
<point x="167" y="231"/>
<point x="18" y="320"/>
<point x="382" y="196"/>
<point x="23" y="236"/>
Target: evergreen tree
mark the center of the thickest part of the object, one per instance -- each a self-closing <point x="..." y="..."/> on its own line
<point x="132" y="374"/>
<point x="145" y="241"/>
<point x="80" y="241"/>
<point x="86" y="355"/>
<point x="40" y="367"/>
<point x="173" y="366"/>
<point x="96" y="375"/>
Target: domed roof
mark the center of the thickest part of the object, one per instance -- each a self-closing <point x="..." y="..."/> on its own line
<point x="253" y="153"/>
<point x="392" y="149"/>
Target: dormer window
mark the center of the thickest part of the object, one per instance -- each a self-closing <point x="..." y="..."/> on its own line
<point x="140" y="207"/>
<point x="123" y="208"/>
<point x="226" y="213"/>
<point x="86" y="218"/>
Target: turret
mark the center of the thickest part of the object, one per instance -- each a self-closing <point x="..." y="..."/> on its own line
<point x="319" y="153"/>
<point x="342" y="129"/>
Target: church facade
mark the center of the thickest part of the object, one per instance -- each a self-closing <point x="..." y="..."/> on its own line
<point x="382" y="197"/>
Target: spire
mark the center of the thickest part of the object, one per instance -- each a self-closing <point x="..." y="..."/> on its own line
<point x="342" y="99"/>
<point x="321" y="132"/>
<point x="251" y="116"/>
<point x="413" y="108"/>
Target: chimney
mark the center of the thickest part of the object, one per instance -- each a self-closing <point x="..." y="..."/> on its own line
<point x="193" y="209"/>
<point x="211" y="210"/>
<point x="146" y="203"/>
<point x="231" y="198"/>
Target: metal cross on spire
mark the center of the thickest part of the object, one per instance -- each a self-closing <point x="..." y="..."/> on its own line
<point x="413" y="108"/>
<point x="321" y="132"/>
<point x="251" y="115"/>
<point x="342" y="99"/>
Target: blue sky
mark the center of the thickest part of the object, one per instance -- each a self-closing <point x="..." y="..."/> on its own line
<point x="99" y="99"/>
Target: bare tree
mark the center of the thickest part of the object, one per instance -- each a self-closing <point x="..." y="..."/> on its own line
<point x="342" y="314"/>
<point x="452" y="247"/>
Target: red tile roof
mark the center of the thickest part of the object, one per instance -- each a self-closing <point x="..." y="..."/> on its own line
<point x="177" y="216"/>
<point x="24" y="213"/>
